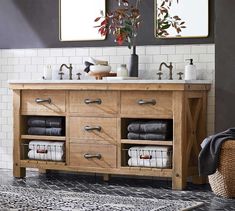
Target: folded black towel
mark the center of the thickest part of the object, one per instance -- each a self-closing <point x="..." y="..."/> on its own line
<point x="45" y="122"/>
<point x="45" y="131"/>
<point x="146" y="136"/>
<point x="209" y="156"/>
<point x="153" y="126"/>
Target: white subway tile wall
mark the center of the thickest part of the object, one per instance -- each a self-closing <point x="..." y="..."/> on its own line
<point x="29" y="64"/>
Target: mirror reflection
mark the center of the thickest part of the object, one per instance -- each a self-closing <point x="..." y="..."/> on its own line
<point x="77" y="19"/>
<point x="181" y="18"/>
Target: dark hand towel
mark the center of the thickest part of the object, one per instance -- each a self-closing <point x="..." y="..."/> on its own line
<point x="45" y="131"/>
<point x="36" y="122"/>
<point x="209" y="156"/>
<point x="156" y="126"/>
<point x="45" y="122"/>
<point x="146" y="136"/>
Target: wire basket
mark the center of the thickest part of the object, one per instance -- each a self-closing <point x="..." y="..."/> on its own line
<point x="223" y="180"/>
<point x="150" y="157"/>
<point x="45" y="152"/>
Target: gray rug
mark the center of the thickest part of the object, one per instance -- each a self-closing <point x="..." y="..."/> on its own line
<point x="18" y="198"/>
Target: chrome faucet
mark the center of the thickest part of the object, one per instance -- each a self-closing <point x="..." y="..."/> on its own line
<point x="170" y="66"/>
<point x="70" y="68"/>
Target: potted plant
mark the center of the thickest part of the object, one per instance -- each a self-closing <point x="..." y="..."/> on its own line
<point x="123" y="23"/>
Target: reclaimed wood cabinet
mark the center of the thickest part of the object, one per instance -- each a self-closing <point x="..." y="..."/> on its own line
<point x="97" y="115"/>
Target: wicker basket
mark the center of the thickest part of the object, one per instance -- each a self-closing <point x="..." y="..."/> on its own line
<point x="223" y="180"/>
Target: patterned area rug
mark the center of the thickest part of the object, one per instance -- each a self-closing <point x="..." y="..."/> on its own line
<point x="18" y="198"/>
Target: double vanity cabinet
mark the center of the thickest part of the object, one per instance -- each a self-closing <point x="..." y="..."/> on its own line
<point x="96" y="115"/>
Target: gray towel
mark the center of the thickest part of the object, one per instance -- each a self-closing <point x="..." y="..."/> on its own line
<point x="45" y="122"/>
<point x="153" y="126"/>
<point x="45" y="131"/>
<point x="146" y="136"/>
<point x="209" y="155"/>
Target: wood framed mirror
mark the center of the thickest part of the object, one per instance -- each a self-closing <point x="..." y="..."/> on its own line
<point x="181" y="18"/>
<point x="77" y="19"/>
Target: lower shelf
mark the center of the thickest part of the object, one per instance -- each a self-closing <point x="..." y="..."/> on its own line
<point x="40" y="163"/>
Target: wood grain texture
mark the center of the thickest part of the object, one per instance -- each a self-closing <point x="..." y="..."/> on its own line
<point x="108" y="129"/>
<point x="107" y="107"/>
<point x="107" y="152"/>
<point x="186" y="105"/>
<point x="29" y="106"/>
<point x="18" y="171"/>
<point x="131" y="107"/>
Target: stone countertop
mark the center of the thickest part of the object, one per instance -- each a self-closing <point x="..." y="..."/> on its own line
<point x="113" y="81"/>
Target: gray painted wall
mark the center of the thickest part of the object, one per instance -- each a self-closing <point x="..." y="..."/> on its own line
<point x="35" y="24"/>
<point x="225" y="64"/>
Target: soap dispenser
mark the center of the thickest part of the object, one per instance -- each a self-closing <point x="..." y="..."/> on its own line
<point x="190" y="71"/>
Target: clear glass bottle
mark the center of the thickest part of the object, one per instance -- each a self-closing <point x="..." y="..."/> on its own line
<point x="122" y="71"/>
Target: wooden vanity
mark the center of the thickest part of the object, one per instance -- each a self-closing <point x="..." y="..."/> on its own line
<point x="109" y="106"/>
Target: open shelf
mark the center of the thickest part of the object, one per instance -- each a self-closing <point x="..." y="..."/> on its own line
<point x="51" y="138"/>
<point x="146" y="142"/>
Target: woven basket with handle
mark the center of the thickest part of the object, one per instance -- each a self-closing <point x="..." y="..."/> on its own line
<point x="223" y="180"/>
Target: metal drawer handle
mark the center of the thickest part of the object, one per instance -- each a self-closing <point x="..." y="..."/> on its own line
<point x="89" y="128"/>
<point x="88" y="156"/>
<point x="40" y="100"/>
<point x="89" y="101"/>
<point x="144" y="102"/>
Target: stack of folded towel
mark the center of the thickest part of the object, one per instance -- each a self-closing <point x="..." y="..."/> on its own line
<point x="94" y="62"/>
<point x="46" y="150"/>
<point x="49" y="126"/>
<point x="150" y="156"/>
<point x="150" y="130"/>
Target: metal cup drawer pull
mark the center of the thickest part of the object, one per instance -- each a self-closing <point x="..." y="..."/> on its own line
<point x="144" y="102"/>
<point x="90" y="128"/>
<point x="40" y="100"/>
<point x="88" y="156"/>
<point x="89" y="101"/>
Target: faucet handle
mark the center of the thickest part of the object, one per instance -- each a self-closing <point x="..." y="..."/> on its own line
<point x="180" y="75"/>
<point x="159" y="75"/>
<point x="61" y="75"/>
<point x="79" y="76"/>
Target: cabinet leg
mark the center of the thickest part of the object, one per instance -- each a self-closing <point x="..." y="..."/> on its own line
<point x="178" y="183"/>
<point x="19" y="172"/>
<point x="106" y="177"/>
<point x="197" y="180"/>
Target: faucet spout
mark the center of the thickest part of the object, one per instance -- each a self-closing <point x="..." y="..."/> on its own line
<point x="70" y="68"/>
<point x="170" y="67"/>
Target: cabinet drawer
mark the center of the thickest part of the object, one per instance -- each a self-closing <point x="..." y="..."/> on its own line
<point x="43" y="101"/>
<point x="95" y="155"/>
<point x="101" y="129"/>
<point x="146" y="103"/>
<point x="94" y="103"/>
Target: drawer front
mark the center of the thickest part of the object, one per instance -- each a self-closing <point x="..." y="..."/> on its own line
<point x="146" y="103"/>
<point x="93" y="155"/>
<point x="43" y="101"/>
<point x="94" y="103"/>
<point x="100" y="129"/>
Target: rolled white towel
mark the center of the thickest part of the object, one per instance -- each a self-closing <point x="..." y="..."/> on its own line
<point x="46" y="155"/>
<point x="153" y="151"/>
<point x="46" y="145"/>
<point x="154" y="162"/>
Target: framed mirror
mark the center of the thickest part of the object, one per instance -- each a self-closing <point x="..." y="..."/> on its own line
<point x="77" y="19"/>
<point x="181" y="18"/>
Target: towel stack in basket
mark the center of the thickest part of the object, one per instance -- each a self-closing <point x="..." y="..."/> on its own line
<point x="48" y="126"/>
<point x="46" y="150"/>
<point x="150" y="130"/>
<point x="150" y="156"/>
